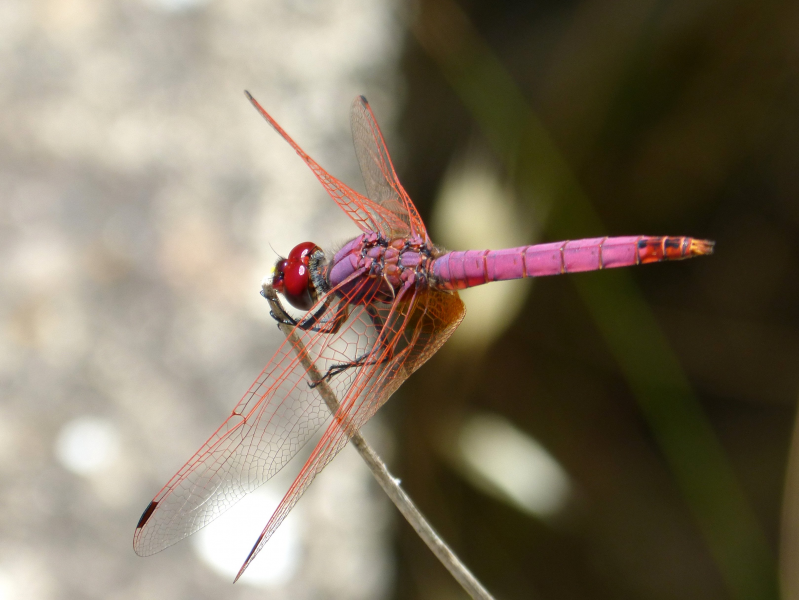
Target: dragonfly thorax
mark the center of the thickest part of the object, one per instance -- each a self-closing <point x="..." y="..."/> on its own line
<point x="293" y="276"/>
<point x="373" y="268"/>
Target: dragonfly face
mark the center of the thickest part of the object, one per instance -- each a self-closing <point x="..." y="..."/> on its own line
<point x="292" y="276"/>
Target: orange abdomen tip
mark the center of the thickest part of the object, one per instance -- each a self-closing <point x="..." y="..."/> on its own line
<point x="701" y="247"/>
<point x="656" y="249"/>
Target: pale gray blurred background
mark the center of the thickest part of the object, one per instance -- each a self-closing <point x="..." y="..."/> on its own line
<point x="140" y="195"/>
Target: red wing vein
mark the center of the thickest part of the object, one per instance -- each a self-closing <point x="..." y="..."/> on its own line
<point x="367" y="215"/>
<point x="422" y="325"/>
<point x="380" y="178"/>
<point x="267" y="427"/>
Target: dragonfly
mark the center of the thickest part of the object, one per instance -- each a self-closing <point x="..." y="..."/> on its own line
<point x="373" y="313"/>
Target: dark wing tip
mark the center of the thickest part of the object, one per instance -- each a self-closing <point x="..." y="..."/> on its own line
<point x="148" y="512"/>
<point x="364" y="100"/>
<point x="249" y="557"/>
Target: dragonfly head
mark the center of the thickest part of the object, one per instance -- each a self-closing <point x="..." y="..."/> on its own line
<point x="292" y="276"/>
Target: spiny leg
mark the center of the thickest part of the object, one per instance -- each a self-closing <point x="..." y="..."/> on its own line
<point x="310" y="323"/>
<point x="386" y="355"/>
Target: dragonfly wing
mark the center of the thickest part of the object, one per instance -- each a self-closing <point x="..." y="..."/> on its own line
<point x="367" y="215"/>
<point x="412" y="333"/>
<point x="274" y="419"/>
<point x="382" y="184"/>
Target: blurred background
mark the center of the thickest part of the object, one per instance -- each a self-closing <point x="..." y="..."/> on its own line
<point x="623" y="434"/>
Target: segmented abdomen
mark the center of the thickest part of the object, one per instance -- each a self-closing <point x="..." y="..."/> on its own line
<point x="459" y="270"/>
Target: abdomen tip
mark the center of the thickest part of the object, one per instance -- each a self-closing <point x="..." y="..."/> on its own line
<point x="701" y="247"/>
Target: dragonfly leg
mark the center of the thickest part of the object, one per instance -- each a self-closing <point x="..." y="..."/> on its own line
<point x="331" y="326"/>
<point x="358" y="362"/>
<point x="312" y="321"/>
<point x="362" y="360"/>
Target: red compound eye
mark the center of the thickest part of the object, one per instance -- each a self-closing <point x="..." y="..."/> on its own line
<point x="302" y="251"/>
<point x="297" y="286"/>
<point x="293" y="277"/>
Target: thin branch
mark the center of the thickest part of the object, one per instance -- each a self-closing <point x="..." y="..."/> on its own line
<point x="389" y="484"/>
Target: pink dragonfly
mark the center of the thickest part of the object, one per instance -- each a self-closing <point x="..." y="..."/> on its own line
<point x="375" y="311"/>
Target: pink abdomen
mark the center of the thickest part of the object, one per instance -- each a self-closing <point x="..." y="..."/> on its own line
<point x="459" y="270"/>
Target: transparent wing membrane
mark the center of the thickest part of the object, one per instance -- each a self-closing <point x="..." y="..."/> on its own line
<point x="379" y="176"/>
<point x="367" y="215"/>
<point x="363" y="362"/>
<point x="272" y="421"/>
<point x="414" y="331"/>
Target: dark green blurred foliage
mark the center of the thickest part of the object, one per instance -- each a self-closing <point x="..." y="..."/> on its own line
<point x="626" y="118"/>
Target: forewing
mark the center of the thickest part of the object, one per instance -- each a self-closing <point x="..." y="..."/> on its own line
<point x="367" y="215"/>
<point x="413" y="332"/>
<point x="273" y="420"/>
<point x="382" y="185"/>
